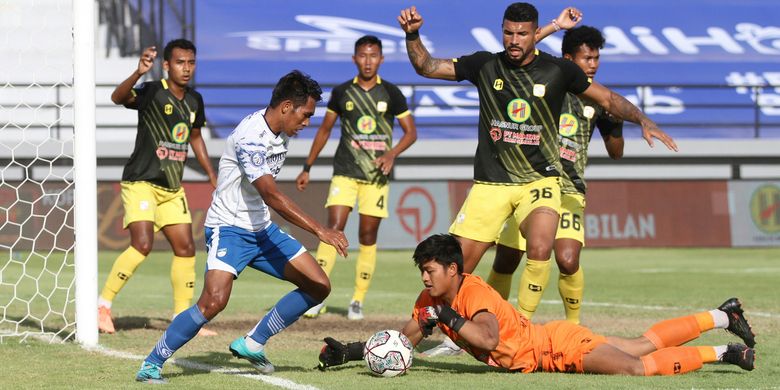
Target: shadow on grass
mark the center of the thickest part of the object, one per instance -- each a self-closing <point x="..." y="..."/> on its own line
<point x="131" y="323"/>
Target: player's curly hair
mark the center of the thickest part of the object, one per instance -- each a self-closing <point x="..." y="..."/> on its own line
<point x="441" y="248"/>
<point x="521" y="12"/>
<point x="177" y="44"/>
<point x="297" y="87"/>
<point x="576" y="37"/>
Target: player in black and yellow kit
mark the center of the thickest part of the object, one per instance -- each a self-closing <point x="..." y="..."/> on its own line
<point x="367" y="107"/>
<point x="170" y="117"/>
<point x="578" y="120"/>
<point x="517" y="167"/>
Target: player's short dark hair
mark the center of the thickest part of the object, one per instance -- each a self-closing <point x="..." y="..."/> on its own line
<point x="368" y="40"/>
<point x="521" y="12"/>
<point x="297" y="87"/>
<point x="576" y="37"/>
<point x="180" y="43"/>
<point x="441" y="248"/>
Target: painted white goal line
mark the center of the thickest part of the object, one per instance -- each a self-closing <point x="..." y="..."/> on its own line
<point x="271" y="380"/>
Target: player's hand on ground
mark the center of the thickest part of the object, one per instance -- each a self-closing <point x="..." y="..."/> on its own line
<point x="385" y="163"/>
<point x="650" y="130"/>
<point x="335" y="238"/>
<point x="427" y="318"/>
<point x="335" y="353"/>
<point x="410" y="20"/>
<point x="302" y="180"/>
<point x="569" y="18"/>
<point x="147" y="60"/>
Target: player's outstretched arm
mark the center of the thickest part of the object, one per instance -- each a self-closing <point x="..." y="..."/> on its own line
<point x="290" y="211"/>
<point x="320" y="139"/>
<point x="425" y="65"/>
<point x="386" y="161"/>
<point x="621" y="108"/>
<point x="122" y="94"/>
<point x="199" y="148"/>
<point x="614" y="146"/>
<point x="568" y="19"/>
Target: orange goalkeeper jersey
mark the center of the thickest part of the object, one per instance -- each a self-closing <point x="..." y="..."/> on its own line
<point x="520" y="342"/>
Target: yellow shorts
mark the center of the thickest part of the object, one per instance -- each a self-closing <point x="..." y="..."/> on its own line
<point x="371" y="198"/>
<point x="569" y="226"/>
<point x="146" y="202"/>
<point x="487" y="206"/>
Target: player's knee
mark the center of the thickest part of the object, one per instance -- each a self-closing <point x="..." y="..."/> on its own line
<point x="367" y="237"/>
<point x="319" y="289"/>
<point x="539" y="248"/>
<point x="143" y="246"/>
<point x="211" y="305"/>
<point x="567" y="263"/>
<point x="186" y="249"/>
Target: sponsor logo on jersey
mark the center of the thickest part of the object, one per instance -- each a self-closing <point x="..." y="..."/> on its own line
<point x="366" y="124"/>
<point x="518" y="110"/>
<point x="588" y="112"/>
<point x="539" y="90"/>
<point x="498" y="84"/>
<point x="180" y="133"/>
<point x="495" y="134"/>
<point x="381" y="106"/>
<point x="221" y="252"/>
<point x="765" y="208"/>
<point x="192" y="117"/>
<point x="168" y="109"/>
<point x="350" y="106"/>
<point x="568" y="125"/>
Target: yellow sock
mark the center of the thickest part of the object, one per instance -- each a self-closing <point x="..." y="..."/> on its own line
<point x="570" y="287"/>
<point x="183" y="282"/>
<point x="501" y="282"/>
<point x="364" y="271"/>
<point x="326" y="257"/>
<point x="532" y="283"/>
<point x="121" y="271"/>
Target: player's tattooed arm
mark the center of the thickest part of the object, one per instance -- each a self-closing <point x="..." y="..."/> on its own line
<point x="621" y="108"/>
<point x="425" y="65"/>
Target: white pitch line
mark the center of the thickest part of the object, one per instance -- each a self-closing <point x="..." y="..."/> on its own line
<point x="656" y="308"/>
<point x="271" y="380"/>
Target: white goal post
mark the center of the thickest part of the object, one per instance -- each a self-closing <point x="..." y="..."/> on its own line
<point x="48" y="197"/>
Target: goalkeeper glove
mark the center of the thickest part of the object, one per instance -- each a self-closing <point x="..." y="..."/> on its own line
<point x="334" y="353"/>
<point x="429" y="316"/>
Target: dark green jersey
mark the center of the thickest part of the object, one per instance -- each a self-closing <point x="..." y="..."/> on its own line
<point x="162" y="141"/>
<point x="579" y="116"/>
<point x="366" y="127"/>
<point x="518" y="114"/>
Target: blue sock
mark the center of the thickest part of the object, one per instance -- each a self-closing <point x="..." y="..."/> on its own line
<point x="181" y="330"/>
<point x="283" y="314"/>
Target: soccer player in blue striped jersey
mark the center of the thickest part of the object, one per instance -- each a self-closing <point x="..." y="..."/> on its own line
<point x="240" y="233"/>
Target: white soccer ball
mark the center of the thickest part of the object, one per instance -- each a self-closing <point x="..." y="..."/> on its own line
<point x="388" y="353"/>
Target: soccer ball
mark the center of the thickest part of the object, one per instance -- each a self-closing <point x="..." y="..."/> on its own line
<point x="388" y="353"/>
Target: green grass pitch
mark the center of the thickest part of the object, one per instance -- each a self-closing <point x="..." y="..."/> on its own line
<point x="626" y="291"/>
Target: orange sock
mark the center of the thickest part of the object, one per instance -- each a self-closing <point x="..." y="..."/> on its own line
<point x="672" y="361"/>
<point x="678" y="331"/>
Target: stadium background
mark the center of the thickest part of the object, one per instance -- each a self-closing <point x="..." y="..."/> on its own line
<point x="711" y="81"/>
<point x="720" y="102"/>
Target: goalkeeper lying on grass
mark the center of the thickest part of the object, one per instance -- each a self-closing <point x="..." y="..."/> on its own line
<point x="489" y="328"/>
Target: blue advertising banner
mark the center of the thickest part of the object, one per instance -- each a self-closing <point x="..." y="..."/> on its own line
<point x="716" y="43"/>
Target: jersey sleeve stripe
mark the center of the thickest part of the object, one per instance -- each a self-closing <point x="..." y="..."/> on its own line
<point x="404" y="114"/>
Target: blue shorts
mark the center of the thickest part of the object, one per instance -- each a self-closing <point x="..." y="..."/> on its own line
<point x="232" y="249"/>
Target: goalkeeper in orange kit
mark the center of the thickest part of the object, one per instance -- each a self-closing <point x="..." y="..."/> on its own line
<point x="489" y="328"/>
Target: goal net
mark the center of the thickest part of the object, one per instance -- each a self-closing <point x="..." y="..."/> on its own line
<point x="37" y="187"/>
